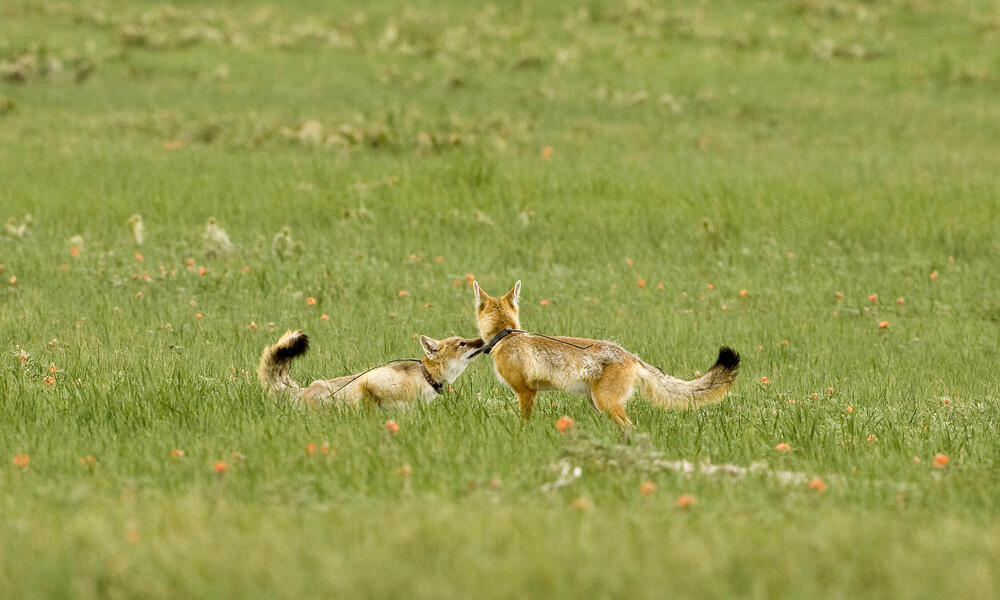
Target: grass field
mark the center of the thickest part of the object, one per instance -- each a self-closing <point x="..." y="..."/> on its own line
<point x="637" y="165"/>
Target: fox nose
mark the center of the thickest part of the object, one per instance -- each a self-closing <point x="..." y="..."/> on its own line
<point x="478" y="344"/>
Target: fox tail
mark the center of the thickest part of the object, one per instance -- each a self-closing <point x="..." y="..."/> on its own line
<point x="277" y="358"/>
<point x="670" y="392"/>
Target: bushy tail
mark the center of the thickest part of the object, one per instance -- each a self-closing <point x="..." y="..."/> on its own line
<point x="275" y="360"/>
<point x="670" y="392"/>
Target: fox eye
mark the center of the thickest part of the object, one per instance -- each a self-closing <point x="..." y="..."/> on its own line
<point x="461" y="343"/>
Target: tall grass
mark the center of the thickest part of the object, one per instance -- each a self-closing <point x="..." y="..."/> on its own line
<point x="763" y="168"/>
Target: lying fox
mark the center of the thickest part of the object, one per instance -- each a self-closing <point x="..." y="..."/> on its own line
<point x="603" y="371"/>
<point x="401" y="381"/>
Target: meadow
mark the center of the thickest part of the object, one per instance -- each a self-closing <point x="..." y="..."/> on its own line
<point x="812" y="182"/>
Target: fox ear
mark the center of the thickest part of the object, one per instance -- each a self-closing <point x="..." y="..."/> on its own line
<point x="479" y="295"/>
<point x="429" y="345"/>
<point x="514" y="295"/>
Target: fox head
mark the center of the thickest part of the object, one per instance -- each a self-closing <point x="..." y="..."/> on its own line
<point x="495" y="314"/>
<point x="448" y="358"/>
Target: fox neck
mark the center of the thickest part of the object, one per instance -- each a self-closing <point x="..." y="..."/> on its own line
<point x="488" y="330"/>
<point x="435" y="369"/>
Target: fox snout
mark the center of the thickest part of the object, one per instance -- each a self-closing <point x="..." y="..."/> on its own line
<point x="476" y="344"/>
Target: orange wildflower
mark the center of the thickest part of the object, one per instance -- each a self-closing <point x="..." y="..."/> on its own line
<point x="53" y="369"/>
<point x="564" y="423"/>
<point x="628" y="261"/>
<point x="252" y="326"/>
<point x="220" y="466"/>
<point x="403" y="293"/>
<point x="764" y="380"/>
<point x="176" y="453"/>
<point x="900" y="301"/>
<point x="439" y="259"/>
<point x="12" y="280"/>
<point x="940" y="460"/>
<point x="934" y="275"/>
<point x="546" y="152"/>
<point x="782" y="447"/>
<point x="871" y="438"/>
<point x="74" y="251"/>
<point x="873" y="298"/>
<point x="850" y="408"/>
<point x="51" y="381"/>
<point x="325" y="448"/>
<point x="324" y="317"/>
<point x="647" y="488"/>
<point x="817" y="484"/>
<point x="202" y="271"/>
<point x="310" y="449"/>
<point x="883" y="324"/>
<point x="743" y="293"/>
<point x="22" y="460"/>
<point x="641" y="283"/>
<point x="544" y="302"/>
<point x="710" y="286"/>
<point x="392" y="427"/>
<point x="685" y="501"/>
<point x="139" y="257"/>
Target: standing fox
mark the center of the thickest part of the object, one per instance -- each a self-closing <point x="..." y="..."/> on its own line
<point x="401" y="381"/>
<point x="603" y="371"/>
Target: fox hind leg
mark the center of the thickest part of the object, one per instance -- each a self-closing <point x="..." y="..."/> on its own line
<point x="611" y="391"/>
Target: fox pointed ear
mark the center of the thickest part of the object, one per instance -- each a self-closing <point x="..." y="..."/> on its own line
<point x="430" y="346"/>
<point x="514" y="295"/>
<point x="479" y="294"/>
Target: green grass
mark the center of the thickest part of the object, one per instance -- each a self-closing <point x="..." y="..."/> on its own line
<point x="795" y="149"/>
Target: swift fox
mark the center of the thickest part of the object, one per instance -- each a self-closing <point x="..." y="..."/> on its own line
<point x="399" y="381"/>
<point x="603" y="371"/>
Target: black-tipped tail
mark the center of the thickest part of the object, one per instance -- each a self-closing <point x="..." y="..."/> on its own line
<point x="277" y="358"/>
<point x="728" y="359"/>
<point x="291" y="346"/>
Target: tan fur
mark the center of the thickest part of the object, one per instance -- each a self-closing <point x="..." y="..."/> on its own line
<point x="400" y="382"/>
<point x="603" y="371"/>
